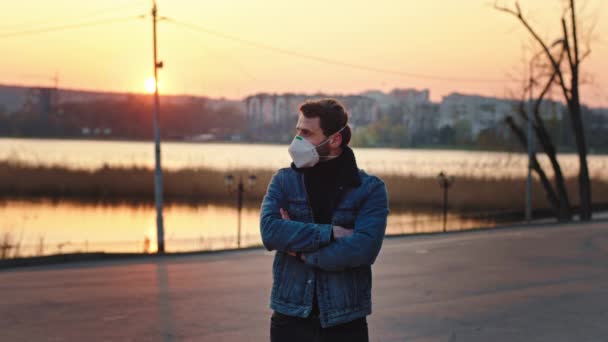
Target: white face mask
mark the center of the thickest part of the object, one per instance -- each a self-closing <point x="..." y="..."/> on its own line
<point x="304" y="153"/>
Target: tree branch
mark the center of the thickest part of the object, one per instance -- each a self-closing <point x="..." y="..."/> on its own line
<point x="573" y="16"/>
<point x="585" y="54"/>
<point x="567" y="44"/>
<point x="548" y="85"/>
<point x="544" y="46"/>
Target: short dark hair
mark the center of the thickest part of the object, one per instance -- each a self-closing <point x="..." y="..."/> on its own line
<point x="332" y="116"/>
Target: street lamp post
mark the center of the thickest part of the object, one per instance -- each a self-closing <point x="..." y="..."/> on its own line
<point x="158" y="173"/>
<point x="530" y="135"/>
<point x="240" y="190"/>
<point x="445" y="182"/>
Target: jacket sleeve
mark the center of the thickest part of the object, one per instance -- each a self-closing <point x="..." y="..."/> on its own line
<point x="287" y="235"/>
<point x="363" y="246"/>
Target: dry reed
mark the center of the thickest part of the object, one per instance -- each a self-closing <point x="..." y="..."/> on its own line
<point x="196" y="186"/>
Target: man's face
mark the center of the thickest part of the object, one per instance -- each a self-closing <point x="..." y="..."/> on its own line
<point x="310" y="129"/>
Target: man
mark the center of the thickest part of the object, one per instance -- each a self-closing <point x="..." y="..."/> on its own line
<point x="326" y="220"/>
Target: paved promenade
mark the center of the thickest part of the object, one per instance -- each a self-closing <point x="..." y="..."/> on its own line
<point x="545" y="283"/>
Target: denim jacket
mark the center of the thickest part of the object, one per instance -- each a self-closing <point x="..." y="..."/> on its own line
<point x="340" y="269"/>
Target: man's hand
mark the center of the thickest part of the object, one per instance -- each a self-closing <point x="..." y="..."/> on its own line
<point x="340" y="232"/>
<point x="284" y="214"/>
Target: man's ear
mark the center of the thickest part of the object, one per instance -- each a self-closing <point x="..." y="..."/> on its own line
<point x="336" y="141"/>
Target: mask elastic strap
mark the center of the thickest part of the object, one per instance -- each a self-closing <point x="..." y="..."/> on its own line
<point x="331" y="135"/>
<point x="341" y="129"/>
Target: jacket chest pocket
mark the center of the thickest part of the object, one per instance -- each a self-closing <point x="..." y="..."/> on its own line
<point x="299" y="211"/>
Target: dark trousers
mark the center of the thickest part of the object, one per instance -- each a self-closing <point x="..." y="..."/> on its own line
<point x="285" y="328"/>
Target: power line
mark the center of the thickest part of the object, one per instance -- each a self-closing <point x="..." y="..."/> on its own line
<point x="225" y="58"/>
<point x="89" y="15"/>
<point x="67" y="27"/>
<point x="328" y="60"/>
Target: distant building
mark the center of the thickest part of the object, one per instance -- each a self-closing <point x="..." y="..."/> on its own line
<point x="12" y="98"/>
<point x="477" y="111"/>
<point x="402" y="98"/>
<point x="422" y="123"/>
<point x="279" y="112"/>
<point x="41" y="101"/>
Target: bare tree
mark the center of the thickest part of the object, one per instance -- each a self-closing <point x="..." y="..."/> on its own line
<point x="558" y="197"/>
<point x="570" y="43"/>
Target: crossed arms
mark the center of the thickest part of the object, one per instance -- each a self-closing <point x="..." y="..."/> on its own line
<point x="314" y="240"/>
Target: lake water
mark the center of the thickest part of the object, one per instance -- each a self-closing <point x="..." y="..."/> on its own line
<point x="89" y="154"/>
<point x="45" y="227"/>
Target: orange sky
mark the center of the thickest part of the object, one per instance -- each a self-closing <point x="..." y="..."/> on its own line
<point x="452" y="39"/>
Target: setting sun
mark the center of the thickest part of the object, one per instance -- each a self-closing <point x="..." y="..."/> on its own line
<point x="149" y="85"/>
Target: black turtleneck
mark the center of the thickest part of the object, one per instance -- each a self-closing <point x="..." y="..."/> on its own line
<point x="322" y="187"/>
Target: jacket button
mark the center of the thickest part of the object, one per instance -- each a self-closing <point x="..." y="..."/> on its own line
<point x="310" y="281"/>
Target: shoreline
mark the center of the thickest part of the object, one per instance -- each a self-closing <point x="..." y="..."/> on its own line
<point x="464" y="148"/>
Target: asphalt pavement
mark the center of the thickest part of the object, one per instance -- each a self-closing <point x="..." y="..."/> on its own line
<point x="546" y="283"/>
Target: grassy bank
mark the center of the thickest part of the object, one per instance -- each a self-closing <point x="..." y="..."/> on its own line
<point x="196" y="186"/>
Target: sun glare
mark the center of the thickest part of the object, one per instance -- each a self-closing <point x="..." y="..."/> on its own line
<point x="149" y="85"/>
